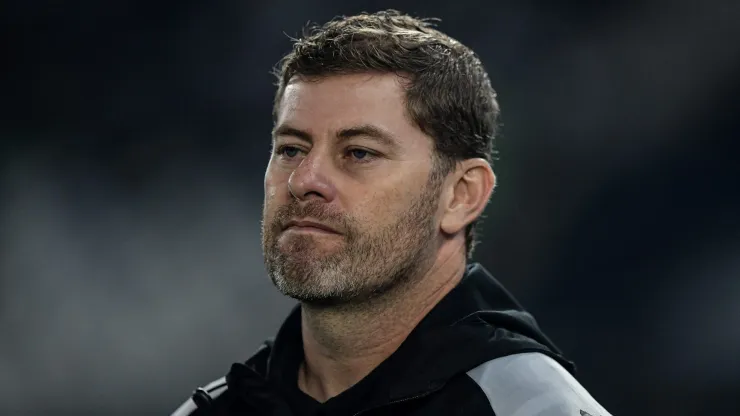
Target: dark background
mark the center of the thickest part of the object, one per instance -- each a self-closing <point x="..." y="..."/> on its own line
<point x="135" y="137"/>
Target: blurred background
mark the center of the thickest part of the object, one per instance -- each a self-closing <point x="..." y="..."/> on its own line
<point x="135" y="137"/>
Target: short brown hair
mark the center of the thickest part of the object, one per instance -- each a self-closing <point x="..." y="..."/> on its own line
<point x="448" y="93"/>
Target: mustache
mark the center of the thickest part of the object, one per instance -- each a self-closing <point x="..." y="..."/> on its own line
<point x="311" y="209"/>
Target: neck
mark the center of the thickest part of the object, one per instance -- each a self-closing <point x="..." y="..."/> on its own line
<point x="343" y="345"/>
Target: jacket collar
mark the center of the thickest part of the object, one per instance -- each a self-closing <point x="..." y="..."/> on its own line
<point x="479" y="320"/>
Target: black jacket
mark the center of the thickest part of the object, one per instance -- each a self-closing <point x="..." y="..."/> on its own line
<point x="476" y="353"/>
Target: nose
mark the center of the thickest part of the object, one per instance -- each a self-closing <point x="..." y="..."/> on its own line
<point x="312" y="180"/>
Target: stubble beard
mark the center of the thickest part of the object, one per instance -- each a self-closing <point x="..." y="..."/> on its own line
<point x="365" y="267"/>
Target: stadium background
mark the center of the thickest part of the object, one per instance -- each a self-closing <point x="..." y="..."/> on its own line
<point x="135" y="136"/>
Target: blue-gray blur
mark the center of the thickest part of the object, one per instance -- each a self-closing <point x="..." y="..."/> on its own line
<point x="135" y="136"/>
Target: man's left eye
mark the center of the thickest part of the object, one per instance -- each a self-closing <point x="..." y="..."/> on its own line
<point x="359" y="153"/>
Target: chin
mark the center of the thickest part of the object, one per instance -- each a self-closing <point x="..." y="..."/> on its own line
<point x="307" y="247"/>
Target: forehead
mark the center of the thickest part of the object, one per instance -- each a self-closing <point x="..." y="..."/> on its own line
<point x="329" y="104"/>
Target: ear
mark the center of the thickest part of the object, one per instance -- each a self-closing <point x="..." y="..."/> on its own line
<point x="469" y="189"/>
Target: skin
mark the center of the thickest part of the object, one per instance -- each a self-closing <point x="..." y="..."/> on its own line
<point x="346" y="156"/>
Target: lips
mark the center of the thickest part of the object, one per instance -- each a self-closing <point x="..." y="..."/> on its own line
<point x="308" y="225"/>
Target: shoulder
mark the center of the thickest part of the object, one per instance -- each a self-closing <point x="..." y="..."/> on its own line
<point x="533" y="384"/>
<point x="201" y="396"/>
<point x="206" y="395"/>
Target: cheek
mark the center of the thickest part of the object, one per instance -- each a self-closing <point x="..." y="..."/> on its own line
<point x="270" y="193"/>
<point x="271" y="200"/>
<point x="381" y="209"/>
<point x="275" y="181"/>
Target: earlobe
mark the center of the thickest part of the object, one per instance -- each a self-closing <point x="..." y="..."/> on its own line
<point x="473" y="185"/>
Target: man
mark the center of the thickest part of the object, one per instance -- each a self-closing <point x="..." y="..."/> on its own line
<point x="379" y="171"/>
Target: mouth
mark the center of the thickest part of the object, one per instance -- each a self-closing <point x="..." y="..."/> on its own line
<point x="307" y="226"/>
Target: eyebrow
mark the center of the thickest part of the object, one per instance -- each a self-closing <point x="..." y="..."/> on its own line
<point x="364" y="130"/>
<point x="286" y="130"/>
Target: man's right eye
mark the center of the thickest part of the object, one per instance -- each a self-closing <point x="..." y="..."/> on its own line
<point x="288" y="151"/>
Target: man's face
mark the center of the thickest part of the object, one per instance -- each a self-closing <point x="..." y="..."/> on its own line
<point x="357" y="165"/>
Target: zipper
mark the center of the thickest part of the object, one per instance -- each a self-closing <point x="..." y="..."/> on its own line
<point x="402" y="400"/>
